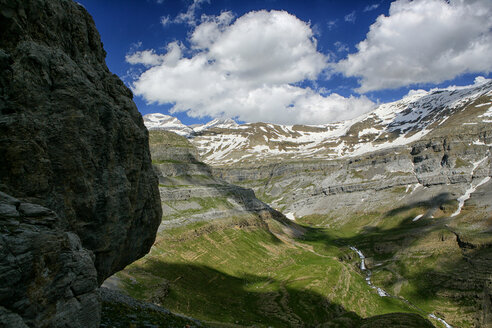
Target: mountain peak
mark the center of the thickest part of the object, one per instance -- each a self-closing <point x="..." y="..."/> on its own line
<point x="221" y="123"/>
<point x="159" y="121"/>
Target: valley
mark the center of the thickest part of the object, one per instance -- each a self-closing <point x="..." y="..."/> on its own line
<point x="113" y="220"/>
<point x="418" y="211"/>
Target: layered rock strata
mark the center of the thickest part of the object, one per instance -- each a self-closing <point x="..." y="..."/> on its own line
<point x="189" y="192"/>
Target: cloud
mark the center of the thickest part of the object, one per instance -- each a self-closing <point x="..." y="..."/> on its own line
<point x="165" y="20"/>
<point x="423" y="41"/>
<point x="371" y="7"/>
<point x="341" y="47"/>
<point x="189" y="17"/>
<point x="146" y="58"/>
<point x="350" y="17"/>
<point x="251" y="69"/>
<point x="332" y="24"/>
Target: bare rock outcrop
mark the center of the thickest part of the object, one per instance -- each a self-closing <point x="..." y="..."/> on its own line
<point x="47" y="279"/>
<point x="71" y="138"/>
<point x="74" y="151"/>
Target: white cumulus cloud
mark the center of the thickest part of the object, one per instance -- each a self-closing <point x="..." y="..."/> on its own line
<point x="423" y="41"/>
<point x="251" y="68"/>
<point x="146" y="57"/>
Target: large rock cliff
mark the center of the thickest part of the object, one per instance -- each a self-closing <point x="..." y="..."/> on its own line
<point x="47" y="278"/>
<point x="71" y="141"/>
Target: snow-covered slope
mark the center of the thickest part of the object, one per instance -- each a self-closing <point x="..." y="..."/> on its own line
<point x="217" y="123"/>
<point x="224" y="142"/>
<point x="158" y="121"/>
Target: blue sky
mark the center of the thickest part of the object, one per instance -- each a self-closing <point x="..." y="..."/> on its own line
<point x="289" y="62"/>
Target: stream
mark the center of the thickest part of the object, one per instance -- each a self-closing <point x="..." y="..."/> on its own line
<point x="382" y="292"/>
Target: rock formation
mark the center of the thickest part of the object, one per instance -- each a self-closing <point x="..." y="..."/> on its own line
<point x="47" y="278"/>
<point x="190" y="193"/>
<point x="74" y="151"/>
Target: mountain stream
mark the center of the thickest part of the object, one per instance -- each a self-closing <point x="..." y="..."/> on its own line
<point x="382" y="292"/>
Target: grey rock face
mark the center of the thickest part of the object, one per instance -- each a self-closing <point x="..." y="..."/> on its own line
<point x="47" y="279"/>
<point x="71" y="138"/>
<point x="424" y="170"/>
<point x="189" y="192"/>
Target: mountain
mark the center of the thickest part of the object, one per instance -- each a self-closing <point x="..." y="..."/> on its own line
<point x="190" y="193"/>
<point x="158" y="121"/>
<point x="224" y="142"/>
<point x="405" y="187"/>
<point x="217" y="123"/>
<point x="394" y="124"/>
<point x="227" y="258"/>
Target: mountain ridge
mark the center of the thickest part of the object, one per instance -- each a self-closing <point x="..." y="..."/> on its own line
<point x="404" y="184"/>
<point x="392" y="124"/>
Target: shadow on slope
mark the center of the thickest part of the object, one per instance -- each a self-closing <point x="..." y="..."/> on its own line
<point x="215" y="297"/>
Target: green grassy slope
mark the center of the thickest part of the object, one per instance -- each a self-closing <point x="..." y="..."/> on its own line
<point x="239" y="272"/>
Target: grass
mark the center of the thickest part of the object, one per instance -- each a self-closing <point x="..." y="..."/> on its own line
<point x="461" y="163"/>
<point x="236" y="272"/>
<point x="173" y="161"/>
<point x="167" y="138"/>
<point x="168" y="161"/>
<point x="249" y="276"/>
<point x="357" y="174"/>
<point x="205" y="203"/>
<point x="418" y="261"/>
<point x="122" y="315"/>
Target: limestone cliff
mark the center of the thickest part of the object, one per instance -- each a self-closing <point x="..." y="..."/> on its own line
<point x="71" y="141"/>
<point x="190" y="193"/>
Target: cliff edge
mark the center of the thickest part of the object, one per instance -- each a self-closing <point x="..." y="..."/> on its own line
<point x="72" y="142"/>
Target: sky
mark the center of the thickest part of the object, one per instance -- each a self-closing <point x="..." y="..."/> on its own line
<point x="289" y="61"/>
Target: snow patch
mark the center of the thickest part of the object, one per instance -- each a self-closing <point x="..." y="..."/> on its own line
<point x="488" y="113"/>
<point x="417" y="217"/>
<point x="467" y="194"/>
<point x="290" y="216"/>
<point x="368" y="131"/>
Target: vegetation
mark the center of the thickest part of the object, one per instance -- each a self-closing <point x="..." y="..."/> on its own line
<point x="218" y="272"/>
<point x="167" y="138"/>
<point x="123" y="315"/>
<point x="461" y="163"/>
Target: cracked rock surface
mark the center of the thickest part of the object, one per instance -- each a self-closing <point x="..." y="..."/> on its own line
<point x="47" y="279"/>
<point x="80" y="199"/>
